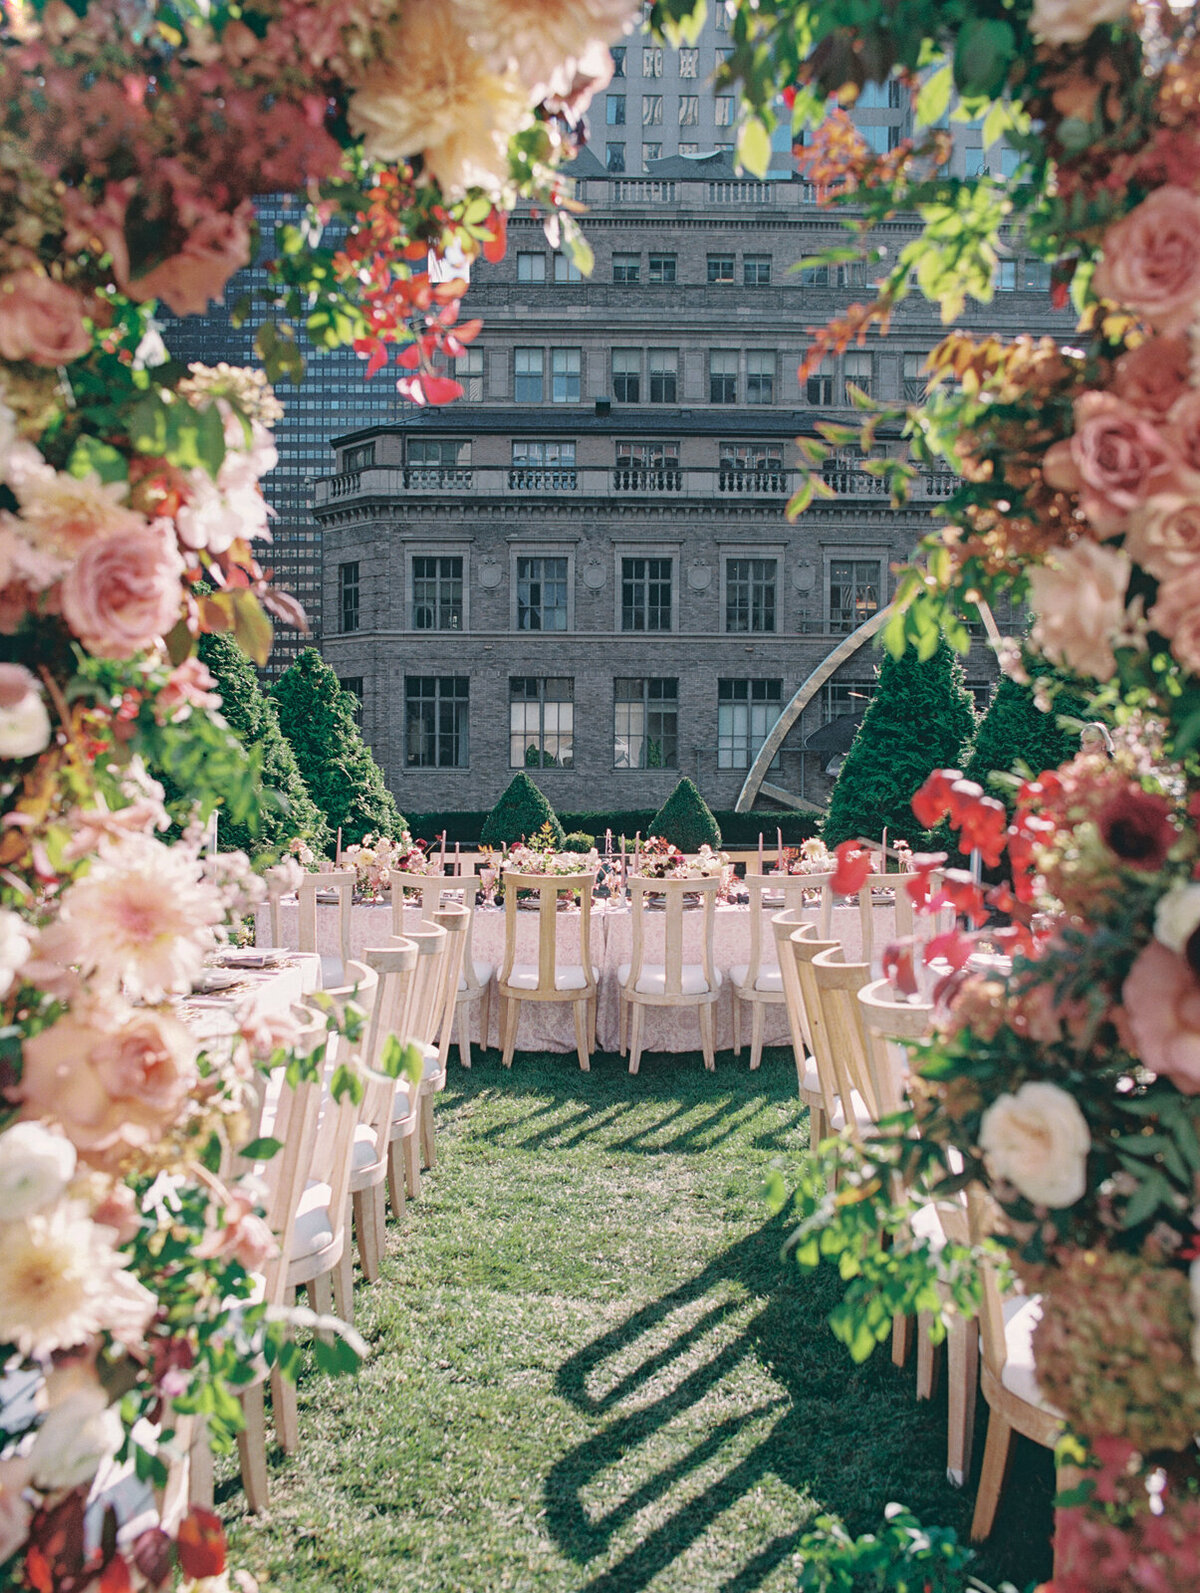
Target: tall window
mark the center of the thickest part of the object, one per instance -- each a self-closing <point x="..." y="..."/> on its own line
<point x="645" y="594"/>
<point x="614" y="157"/>
<point x="760" y="376"/>
<point x="724" y="106"/>
<point x="352" y="685"/>
<point x="565" y="367"/>
<point x="627" y="375"/>
<point x="662" y="268"/>
<point x="614" y="110"/>
<point x="722" y="376"/>
<point x="750" y="595"/>
<point x="756" y="270"/>
<point x="856" y="367"/>
<point x="618" y="60"/>
<point x="652" y="60"/>
<point x="689" y="62"/>
<point x="360" y="458"/>
<point x="648" y="455"/>
<point x="645" y="724"/>
<point x="818" y="388"/>
<point x="914" y="381"/>
<point x="531" y="267"/>
<point x="746" y="710"/>
<point x="652" y="110"/>
<point x="626" y="267"/>
<point x="529" y="365"/>
<point x="348" y="595"/>
<point x="689" y="110"/>
<point x="720" y="267"/>
<point x="468" y="370"/>
<point x="565" y="269"/>
<point x="650" y="151"/>
<point x="1006" y="276"/>
<point x="541" y="722"/>
<point x="435" y="721"/>
<point x="437" y="592"/>
<point x="663" y="366"/>
<point x="541" y="594"/>
<point x="853" y="593"/>
<point x="1035" y="276"/>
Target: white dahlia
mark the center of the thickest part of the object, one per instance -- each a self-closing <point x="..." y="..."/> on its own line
<point x="548" y="43"/>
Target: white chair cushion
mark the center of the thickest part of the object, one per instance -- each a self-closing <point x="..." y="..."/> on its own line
<point x="810" y="1084"/>
<point x="483" y="975"/>
<point x="313" y="1230"/>
<point x="927" y="1224"/>
<point x="524" y="976"/>
<point x="433" y="1063"/>
<point x="768" y="978"/>
<point x="1022" y="1313"/>
<point x="653" y="980"/>
<point x="861" y="1115"/>
<point x="365" y="1153"/>
<point x="333" y="973"/>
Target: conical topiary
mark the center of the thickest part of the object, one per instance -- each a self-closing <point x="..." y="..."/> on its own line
<point x="920" y="719"/>
<point x="346" y="783"/>
<point x="519" y="815"/>
<point x="289" y="809"/>
<point x="1014" y="730"/>
<point x="686" y="820"/>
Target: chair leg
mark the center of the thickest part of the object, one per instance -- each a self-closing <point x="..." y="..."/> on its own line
<point x="368" y="1229"/>
<point x="579" y="1008"/>
<point x="901" y="1339"/>
<point x="485" y="1017"/>
<point x="962" y="1376"/>
<point x="635" y="1037"/>
<point x="758" y="1023"/>
<point x="511" y="1021"/>
<point x="991" y="1479"/>
<point x="737" y="1024"/>
<point x="428" y="1137"/>
<point x="412" y="1166"/>
<point x="286" y="1412"/>
<point x="706" y="1037"/>
<point x="395" y="1178"/>
<point x="463" y="1017"/>
<point x="320" y="1298"/>
<point x="622" y="1024"/>
<point x="200" y="1466"/>
<point x="926" y="1359"/>
<point x="343" y="1284"/>
<point x="252" y="1449"/>
<point x="592" y="1007"/>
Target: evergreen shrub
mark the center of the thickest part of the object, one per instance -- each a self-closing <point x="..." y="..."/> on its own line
<point x="686" y="820"/>
<point x="578" y="841"/>
<point x="1014" y="730"/>
<point x="346" y="783"/>
<point x="518" y="815"/>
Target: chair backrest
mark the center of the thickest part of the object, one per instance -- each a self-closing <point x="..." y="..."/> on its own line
<point x="983" y="1217"/>
<point x="882" y="894"/>
<point x="783" y="925"/>
<point x="419" y="894"/>
<point x="673" y="893"/>
<point x="788" y="891"/>
<point x="333" y="1155"/>
<point x="427" y="987"/>
<point x="394" y="966"/>
<point x="455" y="919"/>
<point x="887" y="1022"/>
<point x="452" y="890"/>
<point x="340" y="881"/>
<point x="548" y="888"/>
<point x="805" y="947"/>
<point x="838" y="983"/>
<point x="297" y="1111"/>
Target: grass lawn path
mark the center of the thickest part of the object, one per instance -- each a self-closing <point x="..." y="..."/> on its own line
<point x="590" y="1370"/>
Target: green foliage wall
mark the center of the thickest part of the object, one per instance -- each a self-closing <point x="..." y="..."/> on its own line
<point x="346" y="783"/>
<point x="920" y="719"/>
<point x="737" y="829"/>
<point x="1015" y="730"/>
<point x="686" y="819"/>
<point x="519" y="815"/>
<point x="251" y="715"/>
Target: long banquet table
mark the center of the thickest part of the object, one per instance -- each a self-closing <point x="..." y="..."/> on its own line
<point x="550" y="1027"/>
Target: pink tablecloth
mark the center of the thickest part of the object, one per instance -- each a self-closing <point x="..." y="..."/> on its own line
<point x="549" y="1027"/>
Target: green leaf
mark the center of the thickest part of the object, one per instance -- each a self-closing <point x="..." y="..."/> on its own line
<point x="754" y="147"/>
<point x="679" y="21"/>
<point x="261" y="1150"/>
<point x="90" y="456"/>
<point x="982" y="54"/>
<point x="934" y="99"/>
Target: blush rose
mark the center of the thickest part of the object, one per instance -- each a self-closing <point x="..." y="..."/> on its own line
<point x="123" y="593"/>
<point x="1152" y="259"/>
<point x="41" y="320"/>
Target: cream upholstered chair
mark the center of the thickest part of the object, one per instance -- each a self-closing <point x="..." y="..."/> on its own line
<point x="341" y="883"/>
<point x="671" y="982"/>
<point x="396" y="965"/>
<point x="454" y="920"/>
<point x="416" y="897"/>
<point x="475" y="979"/>
<point x="1008" y="1374"/>
<point x="838" y="1097"/>
<point x="758" y="983"/>
<point x="879" y="896"/>
<point x="551" y="978"/>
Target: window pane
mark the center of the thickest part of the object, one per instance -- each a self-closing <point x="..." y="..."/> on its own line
<point x="468" y="370"/>
<point x="689" y="61"/>
<point x="853" y="593"/>
<point x="720" y="267"/>
<point x="724" y="108"/>
<point x="541" y="722"/>
<point x="541" y="594"/>
<point x="760" y="377"/>
<point x="645" y="594"/>
<point x="645" y="724"/>
<point x="565" y="366"/>
<point x="662" y="268"/>
<point x="614" y="157"/>
<point x="565" y="269"/>
<point x="757" y="270"/>
<point x="627" y="375"/>
<point x="348" y="595"/>
<point x="614" y="112"/>
<point x="531" y="268"/>
<point x="435" y="721"/>
<point x="746" y="711"/>
<point x="652" y="110"/>
<point x="750" y="595"/>
<point x="626" y="267"/>
<point x="437" y="593"/>
<point x="529" y="364"/>
<point x="652" y="60"/>
<point x="689" y="110"/>
<point x="663" y="366"/>
<point x="722" y="376"/>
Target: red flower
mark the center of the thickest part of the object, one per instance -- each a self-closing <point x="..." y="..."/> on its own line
<point x="200" y="1544"/>
<point x="959" y="890"/>
<point x="851" y="867"/>
<point x="918" y="884"/>
<point x="953" y="947"/>
<point x="1136" y="826"/>
<point x="898" y="966"/>
<point x="932" y="802"/>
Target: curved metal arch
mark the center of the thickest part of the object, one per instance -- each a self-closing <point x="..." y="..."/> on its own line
<point x="800" y="700"/>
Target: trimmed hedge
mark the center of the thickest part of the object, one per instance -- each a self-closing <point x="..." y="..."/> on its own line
<point x="738" y="830"/>
<point x="522" y="811"/>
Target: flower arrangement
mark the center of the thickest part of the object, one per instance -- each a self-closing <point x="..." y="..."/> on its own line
<point x="810" y="857"/>
<point x="137" y="143"/>
<point x="657" y="858"/>
<point x="541" y="856"/>
<point x="377" y="862"/>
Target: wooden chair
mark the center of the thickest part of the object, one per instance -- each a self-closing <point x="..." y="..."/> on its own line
<point x="415" y="898"/>
<point x="475" y="980"/>
<point x="808" y="1083"/>
<point x="839" y="1098"/>
<point x="880" y="892"/>
<point x="396" y="967"/>
<point x="1008" y="1375"/>
<point x="550" y="978"/>
<point x="341" y="881"/>
<point x="759" y="983"/>
<point x="672" y="982"/>
<point x="454" y="920"/>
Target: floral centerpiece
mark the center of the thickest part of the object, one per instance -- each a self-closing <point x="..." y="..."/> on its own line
<point x="540" y="855"/>
<point x="138" y="141"/>
<point x="658" y="858"/>
<point x="376" y="863"/>
<point x="810" y="857"/>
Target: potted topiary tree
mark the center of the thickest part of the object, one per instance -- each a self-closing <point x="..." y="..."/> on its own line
<point x="519" y="814"/>
<point x="686" y="820"/>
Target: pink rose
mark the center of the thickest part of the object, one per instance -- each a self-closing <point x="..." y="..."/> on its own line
<point x="218" y="244"/>
<point x="113" y="1081"/>
<point x="189" y="685"/>
<point x="1177" y="616"/>
<point x="41" y="320"/>
<point x="1152" y="259"/>
<point x="1162" y="1015"/>
<point x="244" y="1235"/>
<point x="1183" y="428"/>
<point x="1079" y="601"/>
<point x="1120" y="458"/>
<point x="1152" y="376"/>
<point x="1164" y="535"/>
<point x="123" y="593"/>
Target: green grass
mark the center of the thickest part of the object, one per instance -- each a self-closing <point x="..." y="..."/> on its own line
<point x="590" y="1369"/>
